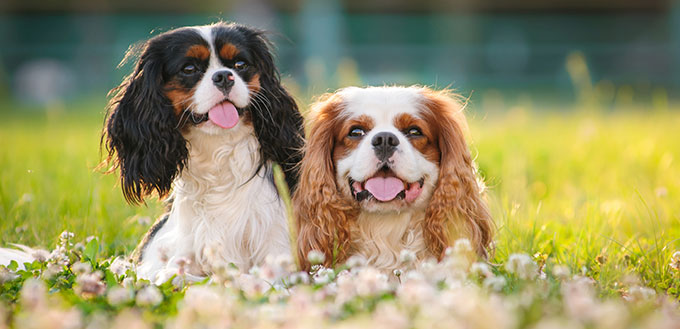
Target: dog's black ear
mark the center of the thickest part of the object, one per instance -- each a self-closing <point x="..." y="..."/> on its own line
<point x="141" y="132"/>
<point x="277" y="121"/>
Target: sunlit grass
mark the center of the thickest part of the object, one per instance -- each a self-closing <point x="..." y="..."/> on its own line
<point x="596" y="192"/>
<point x="49" y="183"/>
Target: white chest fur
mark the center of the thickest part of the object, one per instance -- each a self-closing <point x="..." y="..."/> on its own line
<point x="379" y="238"/>
<point x="219" y="204"/>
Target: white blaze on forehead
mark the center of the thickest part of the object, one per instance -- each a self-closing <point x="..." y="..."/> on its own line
<point x="382" y="104"/>
<point x="207" y="95"/>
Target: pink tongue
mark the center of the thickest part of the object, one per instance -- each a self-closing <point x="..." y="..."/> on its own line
<point x="224" y="115"/>
<point x="384" y="188"/>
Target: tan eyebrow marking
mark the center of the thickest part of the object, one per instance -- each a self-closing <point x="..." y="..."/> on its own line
<point x="228" y="51"/>
<point x="198" y="51"/>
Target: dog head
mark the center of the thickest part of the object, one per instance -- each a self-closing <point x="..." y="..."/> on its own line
<point x="389" y="150"/>
<point x="209" y="80"/>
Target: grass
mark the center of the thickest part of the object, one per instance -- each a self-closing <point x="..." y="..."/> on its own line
<point x="49" y="183"/>
<point x="594" y="191"/>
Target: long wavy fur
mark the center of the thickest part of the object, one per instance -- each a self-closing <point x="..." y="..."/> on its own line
<point x="457" y="208"/>
<point x="323" y="215"/>
<point x="140" y="134"/>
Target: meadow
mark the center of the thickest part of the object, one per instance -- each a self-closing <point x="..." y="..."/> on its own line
<point x="585" y="201"/>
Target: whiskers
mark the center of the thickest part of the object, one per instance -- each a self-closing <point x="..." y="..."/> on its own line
<point x="261" y="103"/>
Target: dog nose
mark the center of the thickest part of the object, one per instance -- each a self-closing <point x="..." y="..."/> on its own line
<point x="384" y="144"/>
<point x="223" y="80"/>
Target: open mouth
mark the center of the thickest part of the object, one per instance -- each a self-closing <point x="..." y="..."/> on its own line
<point x="223" y="114"/>
<point x="386" y="186"/>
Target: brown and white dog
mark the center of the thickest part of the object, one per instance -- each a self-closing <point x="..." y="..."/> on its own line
<point x="387" y="169"/>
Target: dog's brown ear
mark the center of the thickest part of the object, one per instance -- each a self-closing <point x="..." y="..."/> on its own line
<point x="457" y="208"/>
<point x="323" y="215"/>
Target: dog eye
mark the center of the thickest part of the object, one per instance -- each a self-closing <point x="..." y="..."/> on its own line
<point x="189" y="69"/>
<point x="356" y="132"/>
<point x="414" y="132"/>
<point x="240" y="65"/>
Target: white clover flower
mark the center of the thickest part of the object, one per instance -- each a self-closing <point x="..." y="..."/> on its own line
<point x="40" y="255"/>
<point x="387" y="315"/>
<point x="53" y="269"/>
<point x="407" y="256"/>
<point x="182" y="264"/>
<point x="355" y="261"/>
<point x="495" y="283"/>
<point x="611" y="315"/>
<point x="79" y="247"/>
<point x="370" y="281"/>
<point x="639" y="293"/>
<point x="59" y="256"/>
<point x="206" y="303"/>
<point x="579" y="298"/>
<point x="66" y="235"/>
<point x="90" y="284"/>
<point x="481" y="269"/>
<point x="561" y="272"/>
<point x="268" y="272"/>
<point x="120" y="265"/>
<point x="397" y="272"/>
<point x="251" y="285"/>
<point x="299" y="278"/>
<point x="128" y="282"/>
<point x="81" y="268"/>
<point x="522" y="265"/>
<point x="119" y="295"/>
<point x="281" y="264"/>
<point x="675" y="261"/>
<point x="149" y="296"/>
<point x="323" y="276"/>
<point x="129" y="319"/>
<point x="554" y="323"/>
<point x="462" y="247"/>
<point x="50" y="318"/>
<point x="415" y="291"/>
<point x="346" y="289"/>
<point x="316" y="257"/>
<point x="6" y="275"/>
<point x="255" y="271"/>
<point x="34" y="294"/>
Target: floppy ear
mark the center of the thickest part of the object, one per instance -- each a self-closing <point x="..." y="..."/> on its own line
<point x="277" y="121"/>
<point x="457" y="208"/>
<point x="141" y="133"/>
<point x="323" y="216"/>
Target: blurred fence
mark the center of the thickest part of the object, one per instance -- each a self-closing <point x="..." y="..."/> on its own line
<point x="320" y="47"/>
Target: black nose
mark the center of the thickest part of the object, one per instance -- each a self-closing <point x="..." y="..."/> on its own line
<point x="223" y="80"/>
<point x="384" y="144"/>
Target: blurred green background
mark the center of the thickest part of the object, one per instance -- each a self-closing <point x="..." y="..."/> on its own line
<point x="502" y="53"/>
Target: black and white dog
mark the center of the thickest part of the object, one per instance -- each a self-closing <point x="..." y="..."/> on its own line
<point x="201" y="120"/>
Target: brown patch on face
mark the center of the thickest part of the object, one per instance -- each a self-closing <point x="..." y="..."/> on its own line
<point x="345" y="144"/>
<point x="179" y="96"/>
<point x="228" y="51"/>
<point x="254" y="83"/>
<point x="198" y="51"/>
<point x="426" y="143"/>
<point x="246" y="118"/>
